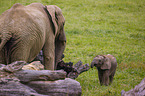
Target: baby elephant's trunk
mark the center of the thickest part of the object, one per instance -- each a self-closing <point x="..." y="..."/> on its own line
<point x="92" y="64"/>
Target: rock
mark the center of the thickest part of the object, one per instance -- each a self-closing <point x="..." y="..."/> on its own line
<point x="35" y="65"/>
<point x="139" y="90"/>
<point x="67" y="87"/>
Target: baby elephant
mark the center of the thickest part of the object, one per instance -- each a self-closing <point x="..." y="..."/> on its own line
<point x="106" y="65"/>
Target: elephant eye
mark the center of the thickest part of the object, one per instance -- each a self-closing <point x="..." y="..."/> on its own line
<point x="99" y="60"/>
<point x="63" y="23"/>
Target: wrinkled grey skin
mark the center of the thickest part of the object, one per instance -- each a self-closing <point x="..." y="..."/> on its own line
<point x="106" y="65"/>
<point x="25" y="30"/>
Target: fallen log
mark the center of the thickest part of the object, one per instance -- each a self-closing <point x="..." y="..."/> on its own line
<point x="80" y="67"/>
<point x="68" y="67"/>
<point x="13" y="88"/>
<point x="67" y="87"/>
<point x="73" y="71"/>
<point x="17" y="82"/>
<point x="139" y="90"/>
<point x="42" y="75"/>
<point x="6" y="71"/>
<point x="13" y="67"/>
<point x="36" y="65"/>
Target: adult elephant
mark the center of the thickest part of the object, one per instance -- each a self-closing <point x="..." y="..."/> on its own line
<point x="25" y="30"/>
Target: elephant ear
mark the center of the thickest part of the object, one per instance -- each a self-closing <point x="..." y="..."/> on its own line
<point x="57" y="19"/>
<point x="106" y="63"/>
<point x="52" y="12"/>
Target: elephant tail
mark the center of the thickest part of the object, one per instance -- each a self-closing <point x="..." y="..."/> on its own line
<point x="4" y="38"/>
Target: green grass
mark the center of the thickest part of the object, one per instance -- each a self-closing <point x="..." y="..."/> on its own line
<point x="102" y="27"/>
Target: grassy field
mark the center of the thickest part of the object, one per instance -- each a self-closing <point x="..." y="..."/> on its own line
<point x="96" y="27"/>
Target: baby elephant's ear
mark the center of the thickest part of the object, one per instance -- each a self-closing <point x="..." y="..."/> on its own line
<point x="106" y="63"/>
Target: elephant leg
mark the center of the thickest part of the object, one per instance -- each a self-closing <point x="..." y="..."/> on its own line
<point x="111" y="77"/>
<point x="59" y="49"/>
<point x="19" y="53"/>
<point x="100" y="75"/>
<point x="106" y="77"/>
<point x="49" y="55"/>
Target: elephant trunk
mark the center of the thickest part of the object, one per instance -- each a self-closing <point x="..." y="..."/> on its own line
<point x="92" y="64"/>
<point x="59" y="49"/>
